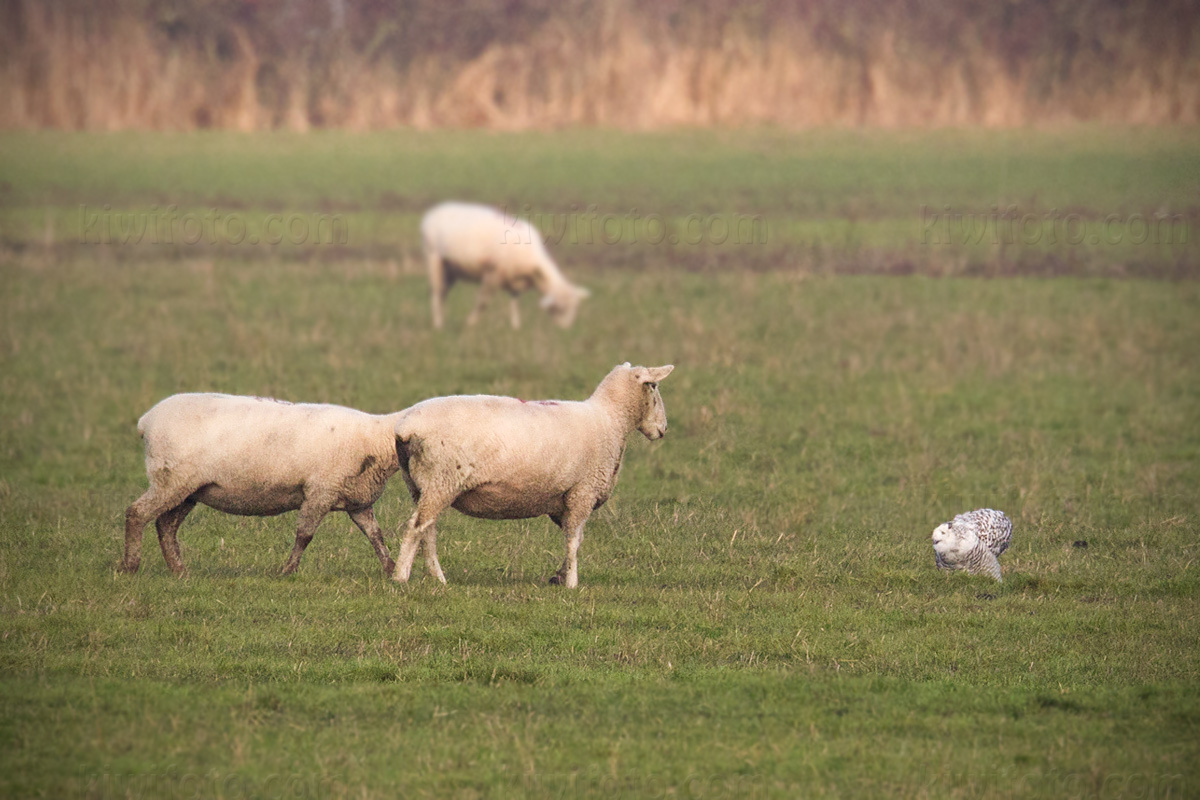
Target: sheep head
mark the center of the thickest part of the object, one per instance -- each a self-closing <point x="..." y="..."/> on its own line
<point x="653" y="424"/>
<point x="563" y="303"/>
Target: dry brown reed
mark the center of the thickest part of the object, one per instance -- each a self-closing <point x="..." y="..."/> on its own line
<point x="296" y="64"/>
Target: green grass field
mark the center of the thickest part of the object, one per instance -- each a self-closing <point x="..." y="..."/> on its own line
<point x="759" y="613"/>
<point x="1089" y="202"/>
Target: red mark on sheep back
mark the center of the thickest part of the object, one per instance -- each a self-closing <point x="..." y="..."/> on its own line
<point x="524" y="402"/>
<point x="273" y="400"/>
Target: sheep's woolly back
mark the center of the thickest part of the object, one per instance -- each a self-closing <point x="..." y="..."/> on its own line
<point x="553" y="444"/>
<point x="481" y="244"/>
<point x="527" y="452"/>
<point x="476" y="237"/>
<point x="257" y="456"/>
<point x="260" y="441"/>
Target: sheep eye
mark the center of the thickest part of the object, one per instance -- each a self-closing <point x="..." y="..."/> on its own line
<point x="652" y="385"/>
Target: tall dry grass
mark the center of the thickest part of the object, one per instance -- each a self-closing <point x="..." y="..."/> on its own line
<point x="263" y="64"/>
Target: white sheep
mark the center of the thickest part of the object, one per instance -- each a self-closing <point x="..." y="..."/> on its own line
<point x="471" y="242"/>
<point x="259" y="457"/>
<point x="503" y="458"/>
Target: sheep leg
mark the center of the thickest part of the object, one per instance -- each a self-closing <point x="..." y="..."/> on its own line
<point x="421" y="528"/>
<point x="514" y="310"/>
<point x="311" y="514"/>
<point x="572" y="528"/>
<point x="366" y="522"/>
<point x="167" y="525"/>
<point x="408" y="547"/>
<point x="149" y="506"/>
<point x="439" y="286"/>
<point x="487" y="287"/>
<point x="431" y="560"/>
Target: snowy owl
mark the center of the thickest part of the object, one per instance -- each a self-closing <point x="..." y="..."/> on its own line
<point x="972" y="541"/>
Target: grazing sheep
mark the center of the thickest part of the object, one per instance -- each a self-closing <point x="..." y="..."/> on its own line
<point x="973" y="541"/>
<point x="259" y="457"/>
<point x="470" y="242"/>
<point x="503" y="458"/>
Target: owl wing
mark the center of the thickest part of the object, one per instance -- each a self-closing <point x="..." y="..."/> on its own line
<point x="993" y="528"/>
<point x="1001" y="542"/>
<point x="998" y="534"/>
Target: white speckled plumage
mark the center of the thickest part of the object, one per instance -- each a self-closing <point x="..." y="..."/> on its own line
<point x="973" y="541"/>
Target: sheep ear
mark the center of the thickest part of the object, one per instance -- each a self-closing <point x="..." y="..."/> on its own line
<point x="654" y="374"/>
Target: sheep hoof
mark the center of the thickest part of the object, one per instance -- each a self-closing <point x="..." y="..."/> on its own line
<point x="556" y="580"/>
<point x="127" y="567"/>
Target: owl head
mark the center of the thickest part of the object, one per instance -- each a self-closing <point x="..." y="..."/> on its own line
<point x="952" y="544"/>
